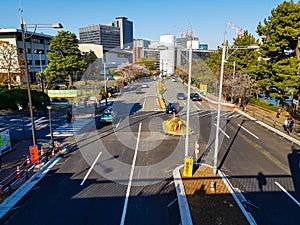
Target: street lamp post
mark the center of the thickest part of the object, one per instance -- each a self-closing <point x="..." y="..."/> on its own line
<point x="220" y="98"/>
<point x="28" y="83"/>
<point x="51" y="130"/>
<point x="186" y="152"/>
<point x="21" y="110"/>
<point x="35" y="26"/>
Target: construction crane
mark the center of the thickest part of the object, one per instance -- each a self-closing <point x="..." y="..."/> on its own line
<point x="237" y="29"/>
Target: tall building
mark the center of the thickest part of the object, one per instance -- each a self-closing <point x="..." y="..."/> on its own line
<point x="37" y="47"/>
<point x="126" y="32"/>
<point x="118" y="34"/>
<point x="106" y="35"/>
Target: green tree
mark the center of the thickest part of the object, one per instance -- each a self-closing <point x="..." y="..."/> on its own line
<point x="65" y="59"/>
<point x="246" y="65"/>
<point x="280" y="49"/>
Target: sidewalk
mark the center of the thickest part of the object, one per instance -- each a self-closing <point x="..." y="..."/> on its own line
<point x="16" y="157"/>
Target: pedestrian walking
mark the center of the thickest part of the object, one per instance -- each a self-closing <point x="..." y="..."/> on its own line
<point x="286" y="125"/>
<point x="291" y="124"/>
<point x="69" y="116"/>
<point x="278" y="113"/>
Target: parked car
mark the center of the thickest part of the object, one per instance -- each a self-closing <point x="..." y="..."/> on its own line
<point x="172" y="107"/>
<point x="138" y="91"/>
<point x="145" y="86"/>
<point x="108" y="115"/>
<point x="195" y="97"/>
<point x="181" y="96"/>
<point x="173" y="79"/>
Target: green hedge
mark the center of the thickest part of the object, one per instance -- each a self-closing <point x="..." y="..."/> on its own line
<point x="264" y="104"/>
<point x="10" y="99"/>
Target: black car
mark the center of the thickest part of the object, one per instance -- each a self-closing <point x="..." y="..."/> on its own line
<point x="172" y="107"/>
<point x="181" y="96"/>
<point x="195" y="97"/>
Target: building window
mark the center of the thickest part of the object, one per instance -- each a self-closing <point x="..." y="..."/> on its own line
<point x="38" y="62"/>
<point x="38" y="51"/>
<point x="29" y="62"/>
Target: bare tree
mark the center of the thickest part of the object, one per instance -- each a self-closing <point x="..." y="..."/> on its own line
<point x="9" y="62"/>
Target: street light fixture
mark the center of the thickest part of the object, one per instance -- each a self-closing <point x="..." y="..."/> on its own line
<point x="21" y="110"/>
<point x="51" y="130"/>
<point x="35" y="26"/>
<point x="253" y="47"/>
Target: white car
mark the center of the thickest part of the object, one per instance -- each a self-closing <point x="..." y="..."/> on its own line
<point x="173" y="79"/>
<point x="144" y="86"/>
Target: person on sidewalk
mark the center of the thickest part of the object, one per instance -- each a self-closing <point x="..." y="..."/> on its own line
<point x="286" y="125"/>
<point x="278" y="113"/>
<point x="291" y="124"/>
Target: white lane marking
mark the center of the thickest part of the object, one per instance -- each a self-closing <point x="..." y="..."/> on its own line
<point x="225" y="114"/>
<point x="118" y="124"/>
<point x="210" y="113"/>
<point x="90" y="170"/>
<point x="130" y="177"/>
<point x="144" y="104"/>
<point x="285" y="191"/>
<point x="171" y="203"/>
<point x="170" y="183"/>
<point x="15" y="120"/>
<point x="29" y="124"/>
<point x="233" y="115"/>
<point x="248" y="131"/>
<point x="223" y="131"/>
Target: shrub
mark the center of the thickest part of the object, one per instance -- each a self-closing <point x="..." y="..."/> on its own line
<point x="264" y="104"/>
<point x="10" y="99"/>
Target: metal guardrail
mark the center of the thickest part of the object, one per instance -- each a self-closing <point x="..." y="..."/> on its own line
<point x="17" y="178"/>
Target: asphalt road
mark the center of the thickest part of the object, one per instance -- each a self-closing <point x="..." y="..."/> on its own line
<point x="121" y="173"/>
<point x="260" y="164"/>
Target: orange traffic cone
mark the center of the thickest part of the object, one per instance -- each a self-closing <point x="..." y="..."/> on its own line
<point x="52" y="153"/>
<point x="42" y="152"/>
<point x="27" y="162"/>
<point x="56" y="148"/>
<point x="212" y="187"/>
<point x="19" y="174"/>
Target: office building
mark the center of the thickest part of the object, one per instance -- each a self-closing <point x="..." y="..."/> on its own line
<point x="106" y="35"/>
<point x="118" y="34"/>
<point x="126" y="32"/>
<point x="37" y="47"/>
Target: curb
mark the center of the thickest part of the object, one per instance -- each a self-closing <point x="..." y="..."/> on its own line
<point x="247" y="214"/>
<point x="183" y="204"/>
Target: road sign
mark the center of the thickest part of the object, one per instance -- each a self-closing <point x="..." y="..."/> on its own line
<point x="34" y="154"/>
<point x="188" y="167"/>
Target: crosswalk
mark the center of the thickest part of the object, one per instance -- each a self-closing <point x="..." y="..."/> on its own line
<point x="70" y="129"/>
<point x="209" y="113"/>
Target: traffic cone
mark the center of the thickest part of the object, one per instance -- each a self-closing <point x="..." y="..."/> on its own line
<point x="42" y="152"/>
<point x="19" y="174"/>
<point x="27" y="162"/>
<point x="212" y="187"/>
<point x="56" y="148"/>
<point x="52" y="154"/>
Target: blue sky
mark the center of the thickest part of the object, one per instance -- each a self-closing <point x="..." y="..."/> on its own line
<point x="151" y="18"/>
